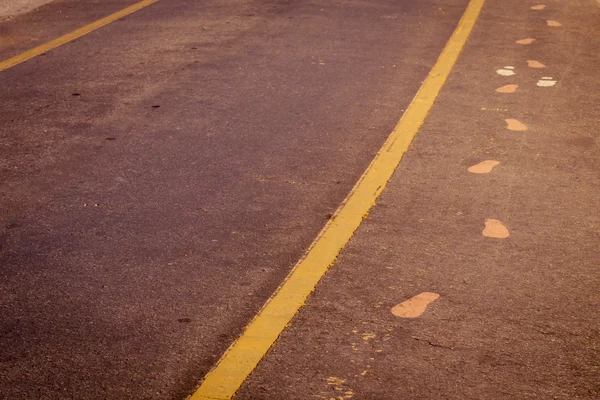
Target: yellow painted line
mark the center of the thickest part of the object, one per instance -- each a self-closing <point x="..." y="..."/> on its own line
<point x="11" y="62"/>
<point x="244" y="355"/>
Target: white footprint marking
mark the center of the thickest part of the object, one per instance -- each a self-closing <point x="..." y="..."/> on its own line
<point x="546" y="81"/>
<point x="506" y="71"/>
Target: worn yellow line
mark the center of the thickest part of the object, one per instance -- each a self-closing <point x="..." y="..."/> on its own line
<point x="11" y="62"/>
<point x="244" y="355"/>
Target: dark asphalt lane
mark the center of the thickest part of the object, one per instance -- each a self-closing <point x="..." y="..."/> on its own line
<point x="160" y="177"/>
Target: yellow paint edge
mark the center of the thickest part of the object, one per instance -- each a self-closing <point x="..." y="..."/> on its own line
<point x="245" y="353"/>
<point x="11" y="62"/>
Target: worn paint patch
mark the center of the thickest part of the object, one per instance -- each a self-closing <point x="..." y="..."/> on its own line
<point x="515" y="125"/>
<point x="525" y="41"/>
<point x="552" y="22"/>
<point x="415" y="306"/>
<point x="546" y="81"/>
<point x="368" y="335"/>
<point x="538" y="7"/>
<point x="507" y="88"/>
<point x="484" y="167"/>
<point x="535" y="64"/>
<point x="333" y="380"/>
<point x="506" y="71"/>
<point x="338" y="384"/>
<point x="495" y="229"/>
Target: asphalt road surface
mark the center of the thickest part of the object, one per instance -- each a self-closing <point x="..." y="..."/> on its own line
<point x="160" y="177"/>
<point x="496" y="263"/>
<point x="16" y="7"/>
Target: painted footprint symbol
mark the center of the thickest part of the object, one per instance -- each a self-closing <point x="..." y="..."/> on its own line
<point x="515" y="125"/>
<point x="506" y="71"/>
<point x="495" y="229"/>
<point x="525" y="41"/>
<point x="507" y="88"/>
<point x="484" y="167"/>
<point x="535" y="64"/>
<point x="546" y="81"/>
<point x="415" y="306"/>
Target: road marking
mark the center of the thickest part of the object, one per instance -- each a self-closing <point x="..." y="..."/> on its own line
<point x="495" y="229"/>
<point x="415" y="306"/>
<point x="535" y="64"/>
<point x="506" y="71"/>
<point x="11" y="62"/>
<point x="515" y="125"/>
<point x="484" y="167"/>
<point x="507" y="88"/>
<point x="245" y="353"/>
<point x="546" y="81"/>
<point x="527" y="40"/>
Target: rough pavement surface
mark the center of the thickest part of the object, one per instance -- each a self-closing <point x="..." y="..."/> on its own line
<point x="517" y="317"/>
<point x="161" y="175"/>
<point x="20" y="33"/>
<point x="10" y="8"/>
